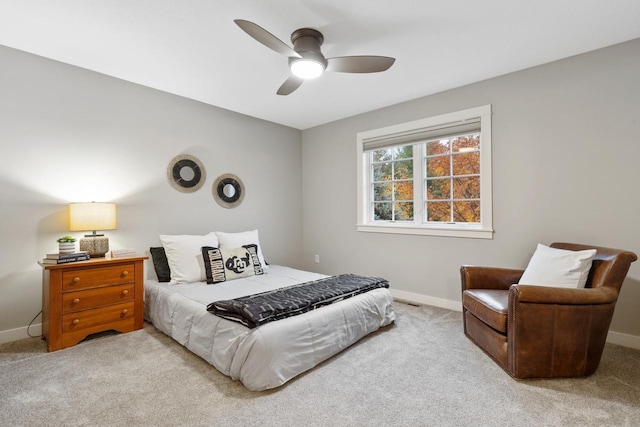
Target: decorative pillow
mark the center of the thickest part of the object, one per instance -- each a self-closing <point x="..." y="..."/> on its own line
<point x="228" y="264"/>
<point x="558" y="267"/>
<point x="236" y="240"/>
<point x="184" y="256"/>
<point x="160" y="264"/>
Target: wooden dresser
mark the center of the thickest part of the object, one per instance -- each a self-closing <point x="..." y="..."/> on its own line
<point x="86" y="297"/>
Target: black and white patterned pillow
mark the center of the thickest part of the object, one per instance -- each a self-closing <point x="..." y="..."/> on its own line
<point x="222" y="265"/>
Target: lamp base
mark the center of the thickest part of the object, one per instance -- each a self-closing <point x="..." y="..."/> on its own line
<point x="96" y="246"/>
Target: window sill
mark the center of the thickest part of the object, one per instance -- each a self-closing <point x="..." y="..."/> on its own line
<point x="471" y="233"/>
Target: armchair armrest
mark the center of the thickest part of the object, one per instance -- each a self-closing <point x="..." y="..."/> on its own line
<point x="476" y="277"/>
<point x="563" y="296"/>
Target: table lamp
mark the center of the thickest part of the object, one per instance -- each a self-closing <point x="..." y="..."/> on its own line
<point x="93" y="216"/>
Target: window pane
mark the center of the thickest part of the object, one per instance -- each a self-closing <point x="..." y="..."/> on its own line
<point x="382" y="211"/>
<point x="405" y="152"/>
<point x="382" y="155"/>
<point x="438" y="166"/>
<point x="404" y="211"/>
<point x="466" y="163"/>
<point x="382" y="191"/>
<point x="438" y="189"/>
<point x="403" y="169"/>
<point x="382" y="172"/>
<point x="439" y="211"/>
<point x="466" y="211"/>
<point x="464" y="144"/>
<point x="438" y="147"/>
<point x="403" y="190"/>
<point x="466" y="188"/>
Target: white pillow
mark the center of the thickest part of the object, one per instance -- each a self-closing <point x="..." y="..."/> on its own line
<point x="236" y="240"/>
<point x="558" y="267"/>
<point x="184" y="255"/>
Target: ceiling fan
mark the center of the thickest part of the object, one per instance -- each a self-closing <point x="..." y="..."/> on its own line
<point x="306" y="59"/>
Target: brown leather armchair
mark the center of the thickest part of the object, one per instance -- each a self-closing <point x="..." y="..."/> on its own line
<point x="540" y="331"/>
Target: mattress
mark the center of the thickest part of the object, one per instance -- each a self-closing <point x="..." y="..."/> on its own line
<point x="272" y="354"/>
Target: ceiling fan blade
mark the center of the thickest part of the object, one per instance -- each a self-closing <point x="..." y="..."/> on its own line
<point x="266" y="38"/>
<point x="289" y="85"/>
<point x="359" y="64"/>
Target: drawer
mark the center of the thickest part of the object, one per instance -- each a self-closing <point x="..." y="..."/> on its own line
<point x="92" y="298"/>
<point x="99" y="318"/>
<point x="83" y="278"/>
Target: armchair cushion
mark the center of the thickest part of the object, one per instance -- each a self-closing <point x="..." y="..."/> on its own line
<point x="488" y="305"/>
<point x="558" y="267"/>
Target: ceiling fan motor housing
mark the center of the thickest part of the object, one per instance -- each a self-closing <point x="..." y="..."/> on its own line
<point x="307" y="42"/>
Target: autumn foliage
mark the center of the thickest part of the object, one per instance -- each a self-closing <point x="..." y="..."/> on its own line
<point x="451" y="184"/>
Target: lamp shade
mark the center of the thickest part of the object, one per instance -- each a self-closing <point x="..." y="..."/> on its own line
<point x="92" y="216"/>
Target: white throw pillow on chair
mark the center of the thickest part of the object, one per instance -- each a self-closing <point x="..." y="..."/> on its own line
<point x="558" y="267"/>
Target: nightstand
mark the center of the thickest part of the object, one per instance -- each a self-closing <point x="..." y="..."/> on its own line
<point x="86" y="297"/>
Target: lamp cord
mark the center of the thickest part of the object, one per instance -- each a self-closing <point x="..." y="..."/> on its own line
<point x="31" y="323"/>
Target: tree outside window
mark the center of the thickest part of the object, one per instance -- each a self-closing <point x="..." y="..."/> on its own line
<point x="453" y="179"/>
<point x="392" y="170"/>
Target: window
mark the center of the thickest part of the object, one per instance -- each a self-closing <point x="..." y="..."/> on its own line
<point x="431" y="176"/>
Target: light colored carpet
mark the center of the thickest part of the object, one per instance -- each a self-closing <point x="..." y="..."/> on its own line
<point x="421" y="371"/>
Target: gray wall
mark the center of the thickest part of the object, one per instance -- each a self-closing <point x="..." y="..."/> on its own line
<point x="566" y="146"/>
<point x="68" y="134"/>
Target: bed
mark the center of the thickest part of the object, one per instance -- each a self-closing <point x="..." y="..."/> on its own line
<point x="273" y="353"/>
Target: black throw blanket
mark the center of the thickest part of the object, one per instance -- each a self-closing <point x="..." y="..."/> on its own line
<point x="258" y="309"/>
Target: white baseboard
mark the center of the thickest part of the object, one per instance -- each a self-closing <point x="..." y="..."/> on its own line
<point x="625" y="340"/>
<point x="20" y="333"/>
<point x="426" y="300"/>
<point x="613" y="337"/>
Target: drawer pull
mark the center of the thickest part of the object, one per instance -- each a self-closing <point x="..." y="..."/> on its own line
<point x="76" y="300"/>
<point x="76" y="321"/>
<point x="125" y="311"/>
<point x="125" y="292"/>
<point x="125" y="273"/>
<point x="76" y="279"/>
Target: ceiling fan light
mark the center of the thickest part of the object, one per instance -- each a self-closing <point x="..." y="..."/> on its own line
<point x="306" y="68"/>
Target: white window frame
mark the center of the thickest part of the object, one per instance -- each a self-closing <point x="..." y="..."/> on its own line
<point x="404" y="132"/>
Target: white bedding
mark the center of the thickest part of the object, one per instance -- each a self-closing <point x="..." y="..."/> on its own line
<point x="270" y="355"/>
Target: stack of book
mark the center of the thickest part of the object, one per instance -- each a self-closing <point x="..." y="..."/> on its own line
<point x="64" y="258"/>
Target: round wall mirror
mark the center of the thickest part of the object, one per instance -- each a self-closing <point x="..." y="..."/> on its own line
<point x="186" y="173"/>
<point x="228" y="191"/>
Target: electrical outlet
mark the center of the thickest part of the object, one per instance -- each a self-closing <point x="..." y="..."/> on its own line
<point x="317" y="259"/>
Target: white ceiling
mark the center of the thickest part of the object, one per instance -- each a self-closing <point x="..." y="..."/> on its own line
<point x="193" y="48"/>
